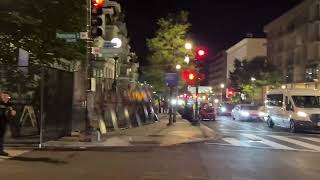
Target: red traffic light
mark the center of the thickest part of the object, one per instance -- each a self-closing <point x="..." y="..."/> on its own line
<point x="97" y="3"/>
<point x="201" y="53"/>
<point x="190" y="77"/>
<point x="230" y="92"/>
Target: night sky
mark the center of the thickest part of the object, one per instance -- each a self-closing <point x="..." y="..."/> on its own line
<point x="216" y="24"/>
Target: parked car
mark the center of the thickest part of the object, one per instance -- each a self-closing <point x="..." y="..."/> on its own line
<point x="207" y="113"/>
<point x="225" y="109"/>
<point x="296" y="109"/>
<point x="246" y="112"/>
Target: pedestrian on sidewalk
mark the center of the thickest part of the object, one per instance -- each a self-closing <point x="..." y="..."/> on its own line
<point x="6" y="113"/>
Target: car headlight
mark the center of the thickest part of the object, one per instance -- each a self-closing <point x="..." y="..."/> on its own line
<point x="223" y="109"/>
<point x="302" y="114"/>
<point x="245" y="113"/>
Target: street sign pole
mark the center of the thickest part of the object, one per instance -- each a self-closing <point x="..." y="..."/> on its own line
<point x="171" y="81"/>
<point x="170" y="108"/>
<point x="176" y="104"/>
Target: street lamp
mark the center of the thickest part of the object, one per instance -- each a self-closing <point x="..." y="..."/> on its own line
<point x="253" y="90"/>
<point x="178" y="67"/>
<point x="118" y="44"/>
<point x="221" y="91"/>
<point x="188" y="45"/>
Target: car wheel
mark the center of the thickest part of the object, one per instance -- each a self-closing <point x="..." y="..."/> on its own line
<point x="270" y="122"/>
<point x="293" y="127"/>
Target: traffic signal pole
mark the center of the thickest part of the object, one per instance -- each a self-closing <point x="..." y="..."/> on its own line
<point x="87" y="66"/>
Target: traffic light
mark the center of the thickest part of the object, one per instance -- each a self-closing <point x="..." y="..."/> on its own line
<point x="230" y="92"/>
<point x="201" y="53"/>
<point x="191" y="77"/>
<point x="97" y="18"/>
<point x="97" y="3"/>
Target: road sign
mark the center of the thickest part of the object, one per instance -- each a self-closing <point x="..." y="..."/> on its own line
<point x="84" y="35"/>
<point x="172" y="79"/>
<point x="23" y="60"/>
<point x="109" y="44"/>
<point x="201" y="89"/>
<point x="71" y="40"/>
<point x="68" y="35"/>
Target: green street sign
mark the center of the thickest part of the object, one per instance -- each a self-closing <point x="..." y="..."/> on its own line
<point x="68" y="35"/>
<point x="71" y="40"/>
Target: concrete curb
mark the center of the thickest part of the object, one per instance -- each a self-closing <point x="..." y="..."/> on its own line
<point x="208" y="132"/>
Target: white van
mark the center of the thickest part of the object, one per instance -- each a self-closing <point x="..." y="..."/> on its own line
<point x="297" y="109"/>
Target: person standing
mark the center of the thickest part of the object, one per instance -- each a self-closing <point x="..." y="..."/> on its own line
<point x="6" y="113"/>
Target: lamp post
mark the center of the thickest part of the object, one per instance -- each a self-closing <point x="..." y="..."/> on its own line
<point x="118" y="44"/>
<point x="253" y="90"/>
<point x="188" y="46"/>
<point x="221" y="91"/>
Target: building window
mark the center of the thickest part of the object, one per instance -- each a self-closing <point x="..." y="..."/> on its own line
<point x="311" y="73"/>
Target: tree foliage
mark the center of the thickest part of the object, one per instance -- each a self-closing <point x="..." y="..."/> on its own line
<point x="166" y="48"/>
<point x="32" y="25"/>
<point x="264" y="74"/>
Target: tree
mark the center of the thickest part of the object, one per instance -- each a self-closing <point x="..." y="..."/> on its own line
<point x="263" y="72"/>
<point x="166" y="48"/>
<point x="32" y="25"/>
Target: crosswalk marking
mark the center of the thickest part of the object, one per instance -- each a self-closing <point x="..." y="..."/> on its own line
<point x="267" y="142"/>
<point x="233" y="141"/>
<point x="312" y="139"/>
<point x="299" y="143"/>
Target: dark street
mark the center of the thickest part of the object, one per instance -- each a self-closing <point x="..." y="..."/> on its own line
<point x="209" y="160"/>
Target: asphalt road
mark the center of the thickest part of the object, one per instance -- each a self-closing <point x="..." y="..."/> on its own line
<point x="269" y="155"/>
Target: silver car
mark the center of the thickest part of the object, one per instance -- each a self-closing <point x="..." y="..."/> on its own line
<point x="246" y="112"/>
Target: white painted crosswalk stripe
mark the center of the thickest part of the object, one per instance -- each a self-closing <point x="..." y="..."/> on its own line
<point x="312" y="139"/>
<point x="233" y="141"/>
<point x="296" y="142"/>
<point x="267" y="142"/>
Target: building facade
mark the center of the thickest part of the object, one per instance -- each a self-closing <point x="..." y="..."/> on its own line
<point x="220" y="66"/>
<point x="294" y="42"/>
<point x="247" y="49"/>
<point x="216" y="71"/>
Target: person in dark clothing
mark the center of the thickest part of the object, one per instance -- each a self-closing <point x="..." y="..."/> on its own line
<point x="6" y="112"/>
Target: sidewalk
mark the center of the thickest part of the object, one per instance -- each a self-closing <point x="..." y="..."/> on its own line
<point x="153" y="135"/>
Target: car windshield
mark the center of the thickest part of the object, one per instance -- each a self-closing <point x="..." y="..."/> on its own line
<point x="307" y="101"/>
<point x="249" y="107"/>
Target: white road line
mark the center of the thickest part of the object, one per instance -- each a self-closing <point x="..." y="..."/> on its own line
<point x="248" y="126"/>
<point x="268" y="142"/>
<point x="311" y="139"/>
<point x="293" y="141"/>
<point x="261" y="147"/>
<point x="234" y="142"/>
